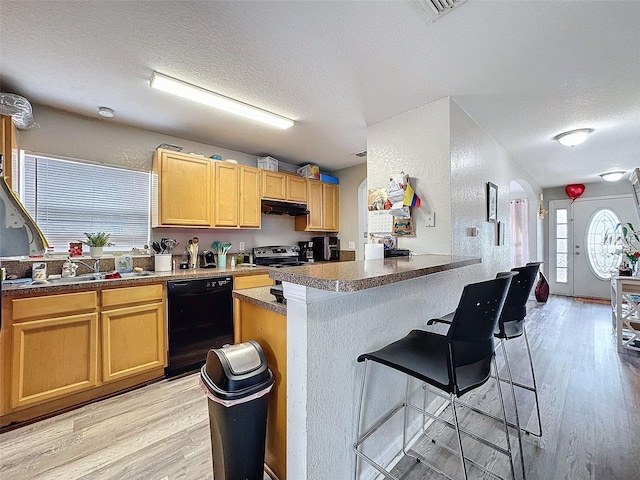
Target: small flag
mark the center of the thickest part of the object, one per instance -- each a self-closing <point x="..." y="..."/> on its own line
<point x="410" y="197"/>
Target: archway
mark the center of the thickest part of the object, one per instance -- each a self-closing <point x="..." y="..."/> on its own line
<point x="525" y="239"/>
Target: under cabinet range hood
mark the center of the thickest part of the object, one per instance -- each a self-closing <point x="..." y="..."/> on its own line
<point x="273" y="207"/>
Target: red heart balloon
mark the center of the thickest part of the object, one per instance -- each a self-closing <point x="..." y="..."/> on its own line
<point x="574" y="191"/>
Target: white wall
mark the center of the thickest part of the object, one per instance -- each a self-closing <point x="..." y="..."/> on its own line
<point x="350" y="180"/>
<point x="417" y="143"/>
<point x="450" y="159"/>
<point x="476" y="159"/>
<point x="100" y="140"/>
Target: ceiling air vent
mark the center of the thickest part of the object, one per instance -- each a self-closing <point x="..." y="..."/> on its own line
<point x="437" y="8"/>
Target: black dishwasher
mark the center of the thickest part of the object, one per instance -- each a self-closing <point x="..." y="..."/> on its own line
<point x="200" y="317"/>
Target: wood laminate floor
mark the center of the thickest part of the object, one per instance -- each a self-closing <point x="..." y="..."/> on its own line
<point x="590" y="400"/>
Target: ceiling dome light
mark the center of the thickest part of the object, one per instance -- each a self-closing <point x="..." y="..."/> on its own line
<point x="106" y="112"/>
<point x="613" y="176"/>
<point x="573" y="137"/>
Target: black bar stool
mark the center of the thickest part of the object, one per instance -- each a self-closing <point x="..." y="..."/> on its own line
<point x="454" y="364"/>
<point x="511" y="324"/>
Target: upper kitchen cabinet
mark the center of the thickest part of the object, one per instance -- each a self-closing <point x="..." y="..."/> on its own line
<point x="283" y="186"/>
<point x="323" y="206"/>
<point x="182" y="190"/>
<point x="249" y="198"/>
<point x="236" y="196"/>
<point x="8" y="147"/>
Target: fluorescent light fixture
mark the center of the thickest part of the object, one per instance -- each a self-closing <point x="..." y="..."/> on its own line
<point x="215" y="100"/>
<point x="573" y="137"/>
<point x="613" y="176"/>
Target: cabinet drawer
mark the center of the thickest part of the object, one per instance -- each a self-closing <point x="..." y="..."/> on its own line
<point x="127" y="295"/>
<point x="253" y="281"/>
<point x="53" y="305"/>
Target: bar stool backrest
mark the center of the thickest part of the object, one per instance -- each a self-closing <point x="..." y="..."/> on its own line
<point x="515" y="305"/>
<point x="471" y="333"/>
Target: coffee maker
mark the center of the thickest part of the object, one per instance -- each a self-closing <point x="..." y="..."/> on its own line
<point x="305" y="252"/>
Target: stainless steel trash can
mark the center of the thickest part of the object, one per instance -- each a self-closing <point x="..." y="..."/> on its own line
<point x="237" y="380"/>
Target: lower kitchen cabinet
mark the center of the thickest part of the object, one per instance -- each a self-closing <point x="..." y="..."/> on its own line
<point x="53" y="357"/>
<point x="65" y="349"/>
<point x="133" y="337"/>
<point x="269" y="329"/>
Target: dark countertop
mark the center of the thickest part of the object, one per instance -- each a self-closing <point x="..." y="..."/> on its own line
<point x="363" y="274"/>
<point x="261" y="297"/>
<point x="26" y="289"/>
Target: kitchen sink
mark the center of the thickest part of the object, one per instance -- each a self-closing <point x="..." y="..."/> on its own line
<point x="86" y="278"/>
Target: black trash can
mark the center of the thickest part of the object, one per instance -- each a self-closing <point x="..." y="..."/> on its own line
<point x="237" y="380"/>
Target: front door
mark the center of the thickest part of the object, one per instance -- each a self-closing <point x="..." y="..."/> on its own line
<point x="580" y="262"/>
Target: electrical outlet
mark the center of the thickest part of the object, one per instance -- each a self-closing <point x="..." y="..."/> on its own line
<point x="430" y="219"/>
<point x="241" y="245"/>
<point x="352" y="245"/>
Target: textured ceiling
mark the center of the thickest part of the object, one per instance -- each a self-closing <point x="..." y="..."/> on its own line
<point x="524" y="70"/>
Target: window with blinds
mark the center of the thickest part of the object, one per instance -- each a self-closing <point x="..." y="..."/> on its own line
<point x="67" y="198"/>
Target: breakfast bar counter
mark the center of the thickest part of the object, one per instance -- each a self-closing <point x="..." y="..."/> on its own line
<point x="361" y="275"/>
<point x="334" y="313"/>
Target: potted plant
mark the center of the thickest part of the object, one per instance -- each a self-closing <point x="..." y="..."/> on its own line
<point x="96" y="242"/>
<point x="627" y="241"/>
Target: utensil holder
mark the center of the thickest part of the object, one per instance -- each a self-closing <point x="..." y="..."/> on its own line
<point x="163" y="262"/>
<point x="222" y="260"/>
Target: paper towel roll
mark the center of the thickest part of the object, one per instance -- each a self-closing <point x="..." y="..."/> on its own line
<point x="373" y="250"/>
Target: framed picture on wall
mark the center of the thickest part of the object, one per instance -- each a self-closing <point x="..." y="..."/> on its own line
<point x="492" y="202"/>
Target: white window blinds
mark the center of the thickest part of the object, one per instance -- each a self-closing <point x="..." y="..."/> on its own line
<point x="67" y="198"/>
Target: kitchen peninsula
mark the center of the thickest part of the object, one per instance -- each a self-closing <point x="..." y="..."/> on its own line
<point x="335" y="312"/>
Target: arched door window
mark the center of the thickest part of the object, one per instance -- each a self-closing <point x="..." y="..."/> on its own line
<point x="602" y="257"/>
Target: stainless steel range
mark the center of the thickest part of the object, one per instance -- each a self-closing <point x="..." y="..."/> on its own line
<point x="277" y="256"/>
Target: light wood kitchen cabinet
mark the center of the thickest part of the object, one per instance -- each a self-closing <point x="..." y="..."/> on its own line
<point x="225" y="195"/>
<point x="8" y="147"/>
<point x="269" y="329"/>
<point x="64" y="349"/>
<point x="249" y="198"/>
<point x="182" y="190"/>
<point x="296" y="189"/>
<point x="330" y="210"/>
<point x="237" y="196"/>
<point x="323" y="206"/>
<point x="132" y="331"/>
<point x="274" y="185"/>
<point x="54" y="347"/>
<point x="252" y="281"/>
<point x="284" y="186"/>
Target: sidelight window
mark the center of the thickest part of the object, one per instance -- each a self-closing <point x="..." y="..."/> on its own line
<point x="562" y="239"/>
<point x="67" y="198"/>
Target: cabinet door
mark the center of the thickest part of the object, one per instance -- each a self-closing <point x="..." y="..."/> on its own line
<point x="314" y="205"/>
<point x="274" y="185"/>
<point x="133" y="341"/>
<point x="330" y="212"/>
<point x="296" y="189"/>
<point x="249" y="194"/>
<point x="185" y="190"/>
<point x="226" y="195"/>
<point x="53" y="358"/>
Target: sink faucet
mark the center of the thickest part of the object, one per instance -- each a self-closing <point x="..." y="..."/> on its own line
<point x="96" y="264"/>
